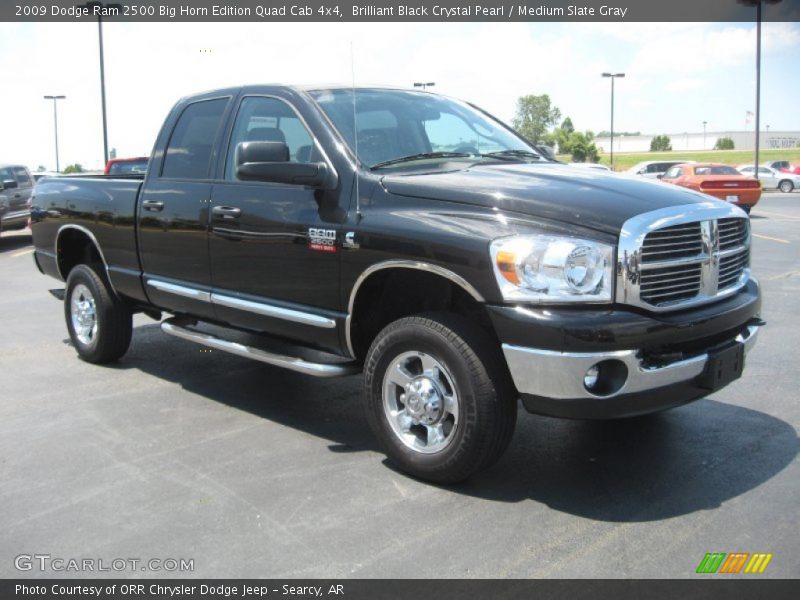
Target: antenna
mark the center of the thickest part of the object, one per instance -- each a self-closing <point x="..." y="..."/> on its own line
<point x="355" y="130"/>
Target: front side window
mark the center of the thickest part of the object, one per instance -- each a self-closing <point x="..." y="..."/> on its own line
<point x="263" y="119"/>
<point x="23" y="178"/>
<point x="188" y="154"/>
<point x="673" y="173"/>
<point x="393" y="124"/>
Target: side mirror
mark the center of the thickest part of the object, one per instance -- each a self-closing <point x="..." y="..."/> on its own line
<point x="660" y="176"/>
<point x="9" y="184"/>
<point x="269" y="162"/>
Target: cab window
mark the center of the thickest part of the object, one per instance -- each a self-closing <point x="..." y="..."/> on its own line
<point x="23" y="178"/>
<point x="673" y="173"/>
<point x="263" y="119"/>
<point x="188" y="154"/>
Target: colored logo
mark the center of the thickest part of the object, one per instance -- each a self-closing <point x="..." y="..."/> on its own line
<point x="734" y="563"/>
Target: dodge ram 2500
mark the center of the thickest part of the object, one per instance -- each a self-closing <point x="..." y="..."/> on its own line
<point x="415" y="238"/>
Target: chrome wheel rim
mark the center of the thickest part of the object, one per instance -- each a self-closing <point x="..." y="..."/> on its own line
<point x="420" y="402"/>
<point x="786" y="186"/>
<point x="83" y="312"/>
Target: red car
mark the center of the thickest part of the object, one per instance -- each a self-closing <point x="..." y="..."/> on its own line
<point x="782" y="165"/>
<point x="127" y="166"/>
<point x="721" y="181"/>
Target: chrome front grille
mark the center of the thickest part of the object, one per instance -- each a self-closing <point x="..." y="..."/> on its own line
<point x="678" y="257"/>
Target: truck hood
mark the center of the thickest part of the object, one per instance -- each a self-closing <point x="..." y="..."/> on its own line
<point x="595" y="199"/>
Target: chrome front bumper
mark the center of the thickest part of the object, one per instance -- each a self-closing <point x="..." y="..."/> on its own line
<point x="560" y="375"/>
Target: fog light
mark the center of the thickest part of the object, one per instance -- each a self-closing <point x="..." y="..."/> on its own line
<point x="591" y="377"/>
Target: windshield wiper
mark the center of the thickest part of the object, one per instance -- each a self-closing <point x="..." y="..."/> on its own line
<point x="512" y="154"/>
<point x="420" y="156"/>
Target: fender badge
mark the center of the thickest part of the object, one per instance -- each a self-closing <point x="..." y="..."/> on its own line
<point x="321" y="240"/>
<point x="350" y="240"/>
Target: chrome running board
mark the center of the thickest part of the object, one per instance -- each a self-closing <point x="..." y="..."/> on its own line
<point x="292" y="363"/>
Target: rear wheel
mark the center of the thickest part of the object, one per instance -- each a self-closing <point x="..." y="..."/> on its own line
<point x="439" y="397"/>
<point x="100" y="325"/>
<point x="786" y="186"/>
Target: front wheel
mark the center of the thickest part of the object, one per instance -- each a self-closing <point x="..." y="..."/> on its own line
<point x="99" y="324"/>
<point x="786" y="186"/>
<point x="438" y="397"/>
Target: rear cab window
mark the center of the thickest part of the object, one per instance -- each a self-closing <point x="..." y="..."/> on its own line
<point x="190" y="148"/>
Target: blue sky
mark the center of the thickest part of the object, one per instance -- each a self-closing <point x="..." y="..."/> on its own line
<point x="678" y="74"/>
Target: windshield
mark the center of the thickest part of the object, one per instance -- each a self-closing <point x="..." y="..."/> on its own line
<point x="396" y="124"/>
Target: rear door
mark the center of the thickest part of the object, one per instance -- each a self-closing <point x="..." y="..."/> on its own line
<point x="274" y="251"/>
<point x="173" y="210"/>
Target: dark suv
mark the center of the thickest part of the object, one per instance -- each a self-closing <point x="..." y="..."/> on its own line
<point x="16" y="185"/>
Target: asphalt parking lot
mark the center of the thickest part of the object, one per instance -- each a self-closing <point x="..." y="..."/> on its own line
<point x="252" y="471"/>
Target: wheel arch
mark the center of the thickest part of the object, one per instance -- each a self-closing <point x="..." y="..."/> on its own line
<point x="381" y="278"/>
<point x="76" y="245"/>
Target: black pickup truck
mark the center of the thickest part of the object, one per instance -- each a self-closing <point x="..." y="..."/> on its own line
<point x="417" y="239"/>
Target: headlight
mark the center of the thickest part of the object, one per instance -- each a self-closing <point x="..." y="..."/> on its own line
<point x="543" y="268"/>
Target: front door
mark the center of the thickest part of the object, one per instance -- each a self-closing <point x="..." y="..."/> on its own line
<point x="274" y="256"/>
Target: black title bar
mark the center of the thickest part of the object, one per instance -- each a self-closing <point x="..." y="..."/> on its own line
<point x="335" y="11"/>
<point x="707" y="588"/>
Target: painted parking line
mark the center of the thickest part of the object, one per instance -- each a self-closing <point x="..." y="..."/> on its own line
<point x="23" y="253"/>
<point x="772" y="239"/>
<point x="783" y="275"/>
<point x="794" y="217"/>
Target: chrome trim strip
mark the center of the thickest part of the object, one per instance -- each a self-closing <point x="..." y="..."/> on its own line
<point x="93" y="239"/>
<point x="19" y="214"/>
<point x="180" y="290"/>
<point x="629" y="252"/>
<point x="401" y="264"/>
<point x="559" y="375"/>
<point x="269" y="310"/>
<point x="278" y="360"/>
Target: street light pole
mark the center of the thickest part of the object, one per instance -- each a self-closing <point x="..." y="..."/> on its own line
<point x="613" y="76"/>
<point x="424" y="86"/>
<point x="704" y="134"/>
<point x="55" y="100"/>
<point x="99" y="8"/>
<point x="103" y="89"/>
<point x="757" y="4"/>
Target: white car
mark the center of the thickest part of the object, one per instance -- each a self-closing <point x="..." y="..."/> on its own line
<point x="653" y="168"/>
<point x="772" y="179"/>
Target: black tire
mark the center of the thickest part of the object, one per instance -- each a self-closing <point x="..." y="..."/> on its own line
<point x="487" y="400"/>
<point x="785" y="186"/>
<point x="746" y="208"/>
<point x="114" y="321"/>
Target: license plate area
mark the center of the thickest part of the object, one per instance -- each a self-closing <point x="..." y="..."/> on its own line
<point x="731" y="198"/>
<point x="723" y="367"/>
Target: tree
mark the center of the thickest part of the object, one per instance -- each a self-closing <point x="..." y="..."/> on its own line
<point x="76" y="168"/>
<point x="582" y="147"/>
<point x="660" y="143"/>
<point x="534" y="116"/>
<point x="723" y="143"/>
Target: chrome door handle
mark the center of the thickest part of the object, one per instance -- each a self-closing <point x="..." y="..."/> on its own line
<point x="227" y="212"/>
<point x="153" y="205"/>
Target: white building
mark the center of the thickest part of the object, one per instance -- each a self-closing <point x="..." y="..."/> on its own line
<point x="742" y="140"/>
